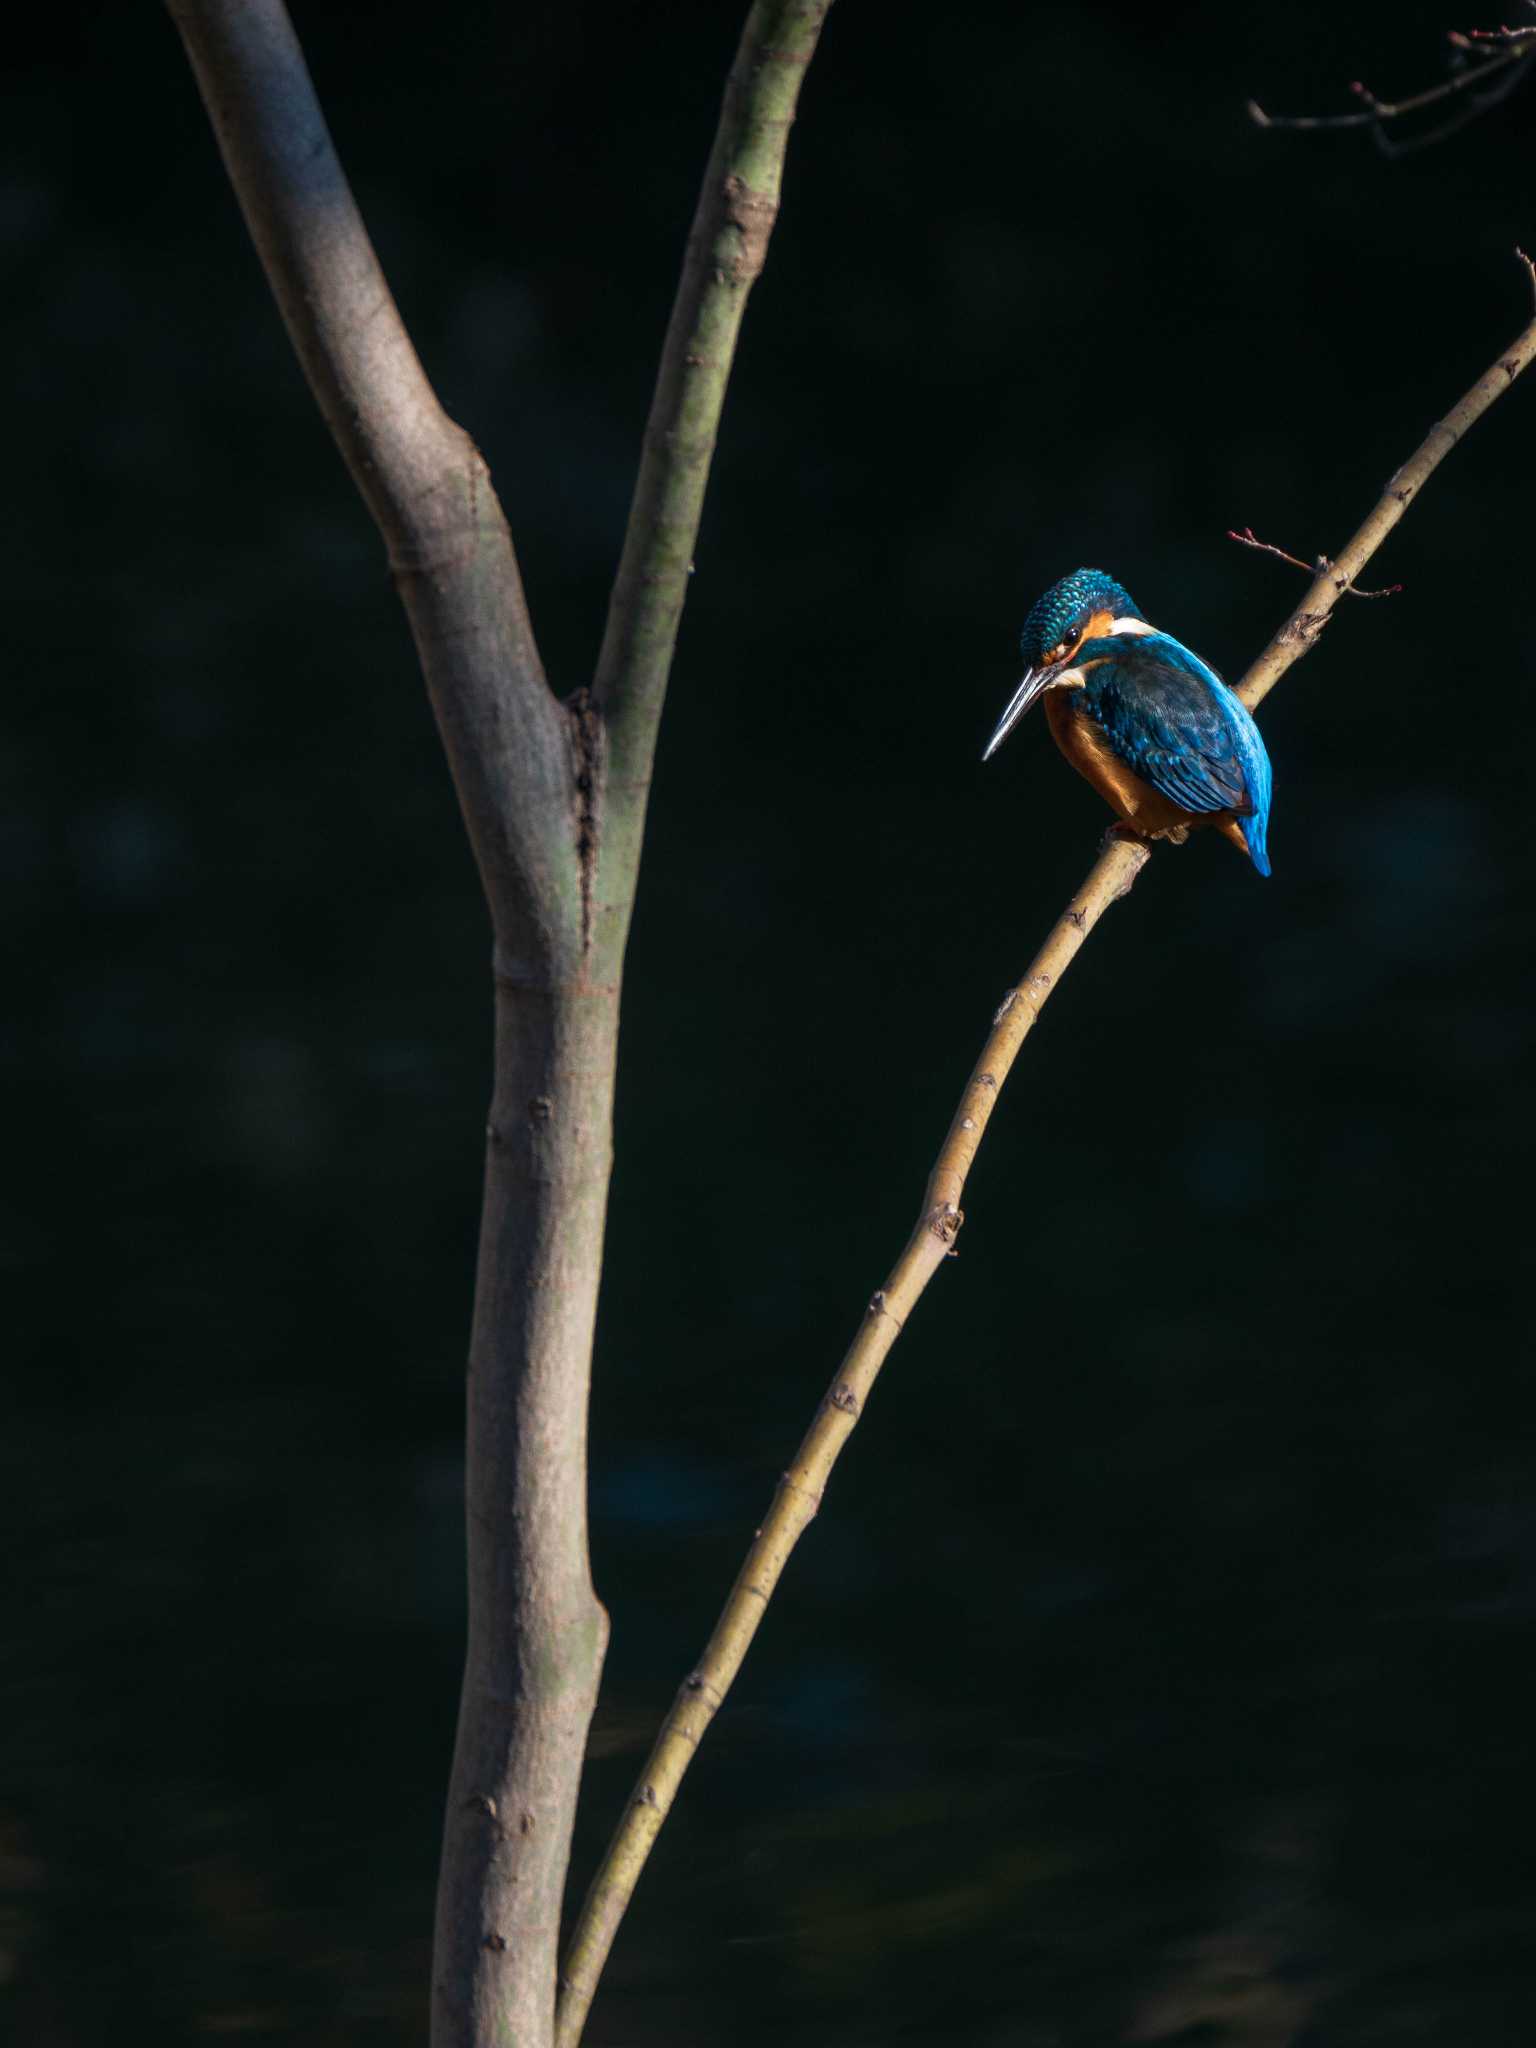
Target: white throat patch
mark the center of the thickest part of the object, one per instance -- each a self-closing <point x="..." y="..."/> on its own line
<point x="1132" y="626"/>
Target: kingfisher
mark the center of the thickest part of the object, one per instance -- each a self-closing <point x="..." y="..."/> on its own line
<point x="1150" y="725"/>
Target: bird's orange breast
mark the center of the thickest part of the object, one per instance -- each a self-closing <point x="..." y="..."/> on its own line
<point x="1090" y="753"/>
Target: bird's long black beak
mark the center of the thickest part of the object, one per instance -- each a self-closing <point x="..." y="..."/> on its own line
<point x="1036" y="682"/>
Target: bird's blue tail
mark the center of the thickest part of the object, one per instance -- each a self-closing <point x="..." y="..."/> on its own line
<point x="1257" y="774"/>
<point x="1253" y="831"/>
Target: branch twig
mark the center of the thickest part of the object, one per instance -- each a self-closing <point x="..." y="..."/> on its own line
<point x="727" y="243"/>
<point x="1505" y="64"/>
<point x="1464" y="38"/>
<point x="1249" y="539"/>
<point x="800" y="1489"/>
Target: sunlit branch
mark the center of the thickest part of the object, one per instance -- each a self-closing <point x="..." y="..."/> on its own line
<point x="800" y="1490"/>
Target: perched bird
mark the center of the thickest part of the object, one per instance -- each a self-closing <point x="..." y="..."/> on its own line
<point x="1157" y="732"/>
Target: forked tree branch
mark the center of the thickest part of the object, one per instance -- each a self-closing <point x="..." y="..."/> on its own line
<point x="800" y="1490"/>
<point x="555" y="814"/>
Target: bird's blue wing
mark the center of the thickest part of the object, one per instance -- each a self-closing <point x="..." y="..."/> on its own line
<point x="1173" y="721"/>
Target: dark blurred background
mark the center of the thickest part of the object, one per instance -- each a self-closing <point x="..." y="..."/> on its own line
<point x="1160" y="1669"/>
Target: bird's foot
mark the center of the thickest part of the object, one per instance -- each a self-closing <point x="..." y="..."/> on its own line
<point x="1126" y="835"/>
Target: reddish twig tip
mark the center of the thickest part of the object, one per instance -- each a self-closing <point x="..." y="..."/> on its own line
<point x="1504" y="34"/>
<point x="1320" y="567"/>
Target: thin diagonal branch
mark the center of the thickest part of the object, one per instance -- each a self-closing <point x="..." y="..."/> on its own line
<point x="1473" y="108"/>
<point x="1304" y="624"/>
<point x="727" y="244"/>
<point x="800" y="1490"/>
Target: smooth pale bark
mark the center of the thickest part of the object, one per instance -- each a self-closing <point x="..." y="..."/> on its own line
<point x="536" y="1632"/>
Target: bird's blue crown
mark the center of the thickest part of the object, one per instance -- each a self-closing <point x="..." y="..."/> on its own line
<point x="1066" y="606"/>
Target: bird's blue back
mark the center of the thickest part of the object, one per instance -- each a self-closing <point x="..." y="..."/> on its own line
<point x="1174" y="722"/>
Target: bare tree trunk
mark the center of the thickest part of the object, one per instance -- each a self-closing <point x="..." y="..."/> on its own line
<point x="536" y="1632"/>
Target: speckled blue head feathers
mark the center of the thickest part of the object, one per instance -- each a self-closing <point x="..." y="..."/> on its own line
<point x="1067" y="606"/>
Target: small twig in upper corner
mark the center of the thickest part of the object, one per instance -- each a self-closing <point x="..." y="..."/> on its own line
<point x="1249" y="539"/>
<point x="1463" y="39"/>
<point x="1530" y="267"/>
<point x="1501" y="56"/>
